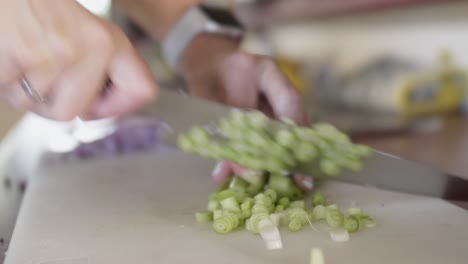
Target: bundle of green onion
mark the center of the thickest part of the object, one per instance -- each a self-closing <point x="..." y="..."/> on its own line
<point x="252" y="140"/>
<point x="268" y="198"/>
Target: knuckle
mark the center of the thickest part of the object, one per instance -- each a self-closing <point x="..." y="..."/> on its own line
<point x="63" y="114"/>
<point x="65" y="51"/>
<point x="101" y="39"/>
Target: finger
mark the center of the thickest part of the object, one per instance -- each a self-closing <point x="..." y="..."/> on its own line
<point x="41" y="80"/>
<point x="238" y="78"/>
<point x="82" y="83"/>
<point x="133" y="83"/>
<point x="304" y="182"/>
<point x="284" y="99"/>
<point x="221" y="172"/>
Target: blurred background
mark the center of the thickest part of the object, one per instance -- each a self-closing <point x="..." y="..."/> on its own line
<point x="368" y="66"/>
<point x="392" y="73"/>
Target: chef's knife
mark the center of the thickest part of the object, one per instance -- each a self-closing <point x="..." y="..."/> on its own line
<point x="382" y="171"/>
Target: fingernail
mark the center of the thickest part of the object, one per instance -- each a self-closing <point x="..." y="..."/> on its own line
<point x="307" y="182"/>
<point x="217" y="170"/>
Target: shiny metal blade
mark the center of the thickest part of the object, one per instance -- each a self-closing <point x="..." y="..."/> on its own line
<point x="382" y="171"/>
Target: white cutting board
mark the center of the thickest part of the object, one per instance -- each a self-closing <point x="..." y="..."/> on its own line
<point x="140" y="210"/>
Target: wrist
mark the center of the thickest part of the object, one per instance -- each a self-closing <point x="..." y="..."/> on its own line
<point x="156" y="18"/>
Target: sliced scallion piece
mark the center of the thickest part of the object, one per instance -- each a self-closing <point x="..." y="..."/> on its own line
<point x="354" y="211"/>
<point x="339" y="235"/>
<point x="295" y="224"/>
<point x="334" y="218"/>
<point x="367" y="221"/>
<point x="318" y="199"/>
<point x="230" y="204"/>
<point x="351" y="224"/>
<point x="297" y="204"/>
<point x="213" y="205"/>
<point x="247" y="205"/>
<point x="271" y="194"/>
<point x="217" y="214"/>
<point x="226" y="223"/>
<point x="284" y="201"/>
<point x="270" y="234"/>
<point x="204" y="217"/>
<point x="318" y="212"/>
<point x="225" y="194"/>
<point x="279" y="208"/>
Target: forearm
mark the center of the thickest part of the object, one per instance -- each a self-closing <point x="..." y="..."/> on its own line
<point x="156" y="17"/>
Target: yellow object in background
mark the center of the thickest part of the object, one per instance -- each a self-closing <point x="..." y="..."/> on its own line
<point x="440" y="91"/>
<point x="292" y="71"/>
<point x="397" y="86"/>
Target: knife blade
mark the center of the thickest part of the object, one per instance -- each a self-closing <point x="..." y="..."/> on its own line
<point x="382" y="171"/>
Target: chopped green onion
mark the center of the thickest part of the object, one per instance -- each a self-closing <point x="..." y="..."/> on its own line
<point x="255" y="178"/>
<point x="319" y="212"/>
<point x="283" y="185"/>
<point x="351" y="224"/>
<point x="275" y="151"/>
<point x="271" y="194"/>
<point x="295" y="224"/>
<point x="253" y="190"/>
<point x="226" y="223"/>
<point x="230" y="204"/>
<point x="367" y="221"/>
<point x="279" y="208"/>
<point x="247" y="205"/>
<point x="318" y="199"/>
<point x="354" y="211"/>
<point x="284" y="201"/>
<point x="260" y="209"/>
<point x="245" y="214"/>
<point x="217" y="214"/>
<point x="238" y="183"/>
<point x="204" y="217"/>
<point x="297" y="218"/>
<point x="339" y="235"/>
<point x="213" y="196"/>
<point x="259" y="197"/>
<point x="334" y="218"/>
<point x="254" y="220"/>
<point x="276" y="219"/>
<point x="213" y="205"/>
<point x="225" y="194"/>
<point x="297" y="204"/>
<point x="270" y="234"/>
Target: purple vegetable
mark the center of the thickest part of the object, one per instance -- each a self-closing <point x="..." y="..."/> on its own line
<point x="131" y="136"/>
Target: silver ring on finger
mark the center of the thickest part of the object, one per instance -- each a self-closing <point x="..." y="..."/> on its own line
<point x="31" y="92"/>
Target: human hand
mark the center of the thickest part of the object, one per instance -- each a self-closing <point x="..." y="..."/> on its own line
<point x="216" y="69"/>
<point x="67" y="54"/>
